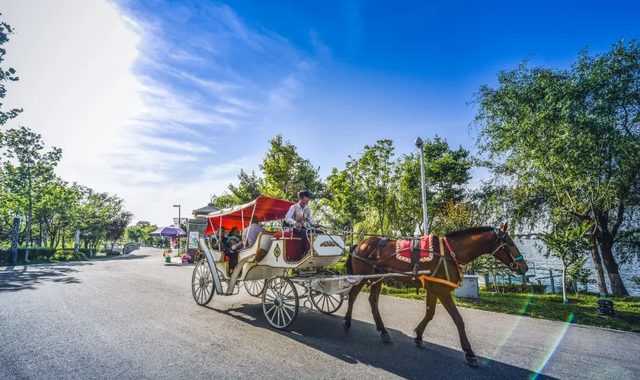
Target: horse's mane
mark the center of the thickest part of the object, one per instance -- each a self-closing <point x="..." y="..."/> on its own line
<point x="469" y="231"/>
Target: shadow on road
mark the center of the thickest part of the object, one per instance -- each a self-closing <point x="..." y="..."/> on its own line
<point x="362" y="344"/>
<point x="124" y="257"/>
<point x="13" y="279"/>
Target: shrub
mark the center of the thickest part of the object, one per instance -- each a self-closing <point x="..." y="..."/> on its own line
<point x="68" y="255"/>
<point x="516" y="288"/>
<point x="35" y="253"/>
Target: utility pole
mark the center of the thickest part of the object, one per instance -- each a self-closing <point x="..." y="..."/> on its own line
<point x="419" y="144"/>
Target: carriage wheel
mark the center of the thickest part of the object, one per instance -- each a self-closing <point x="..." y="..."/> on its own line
<point x="202" y="285"/>
<point x="326" y="303"/>
<point x="280" y="302"/>
<point x="254" y="287"/>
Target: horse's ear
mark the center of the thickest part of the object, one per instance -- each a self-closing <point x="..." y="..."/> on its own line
<point x="503" y="227"/>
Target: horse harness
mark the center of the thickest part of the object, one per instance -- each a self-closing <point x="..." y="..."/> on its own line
<point x="415" y="263"/>
<point x="499" y="244"/>
<point x="500" y="239"/>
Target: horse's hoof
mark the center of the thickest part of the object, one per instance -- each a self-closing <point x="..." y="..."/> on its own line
<point x="385" y="337"/>
<point x="346" y="325"/>
<point x="472" y="361"/>
<point x="419" y="342"/>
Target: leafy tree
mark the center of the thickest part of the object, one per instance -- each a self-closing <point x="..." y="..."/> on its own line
<point x="345" y="198"/>
<point x="578" y="274"/>
<point x="569" y="142"/>
<point x="569" y="243"/>
<point x="286" y="173"/>
<point x="224" y="200"/>
<point x="134" y="234"/>
<point x="248" y="189"/>
<point x="56" y="210"/>
<point x="447" y="173"/>
<point x="117" y="224"/>
<point x="6" y="75"/>
<point x="454" y="216"/>
<point x="33" y="172"/>
<point x="375" y="175"/>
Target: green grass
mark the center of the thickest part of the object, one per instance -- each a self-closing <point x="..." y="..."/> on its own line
<point x="544" y="306"/>
<point x="547" y="306"/>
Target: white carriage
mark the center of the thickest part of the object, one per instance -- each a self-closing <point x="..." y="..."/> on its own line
<point x="266" y="269"/>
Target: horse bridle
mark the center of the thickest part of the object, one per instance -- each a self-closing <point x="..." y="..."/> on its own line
<point x="500" y="239"/>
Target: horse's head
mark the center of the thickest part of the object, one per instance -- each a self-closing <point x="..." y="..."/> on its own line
<point x="505" y="250"/>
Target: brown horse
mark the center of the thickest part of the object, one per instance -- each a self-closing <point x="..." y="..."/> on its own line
<point x="467" y="246"/>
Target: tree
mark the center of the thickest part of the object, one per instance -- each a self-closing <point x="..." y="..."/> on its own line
<point x="375" y="175"/>
<point x="344" y="198"/>
<point x="447" y="173"/>
<point x="134" y="234"/>
<point x="6" y="75"/>
<point x="569" y="243"/>
<point x="224" y="200"/>
<point x="248" y="188"/>
<point x="569" y="142"/>
<point x="118" y="222"/>
<point x="56" y="210"/>
<point x="286" y="173"/>
<point x="578" y="274"/>
<point x="34" y="170"/>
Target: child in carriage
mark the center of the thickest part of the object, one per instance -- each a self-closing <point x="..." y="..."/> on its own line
<point x="234" y="244"/>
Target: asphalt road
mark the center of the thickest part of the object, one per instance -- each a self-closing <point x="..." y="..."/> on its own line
<point x="135" y="318"/>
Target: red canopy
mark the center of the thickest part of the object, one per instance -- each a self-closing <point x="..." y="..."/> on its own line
<point x="264" y="208"/>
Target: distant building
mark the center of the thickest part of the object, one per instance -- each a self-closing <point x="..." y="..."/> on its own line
<point x="202" y="212"/>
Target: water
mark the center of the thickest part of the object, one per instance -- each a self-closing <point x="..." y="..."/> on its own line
<point x="533" y="251"/>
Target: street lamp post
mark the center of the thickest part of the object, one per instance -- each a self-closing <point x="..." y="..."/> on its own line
<point x="419" y="145"/>
<point x="178" y="206"/>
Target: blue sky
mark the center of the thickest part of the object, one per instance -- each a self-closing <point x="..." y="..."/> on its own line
<point x="207" y="84"/>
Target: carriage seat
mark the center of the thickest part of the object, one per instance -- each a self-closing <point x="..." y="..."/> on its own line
<point x="292" y="245"/>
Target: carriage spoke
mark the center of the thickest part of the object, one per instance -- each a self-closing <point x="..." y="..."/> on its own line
<point x="286" y="313"/>
<point x="331" y="301"/>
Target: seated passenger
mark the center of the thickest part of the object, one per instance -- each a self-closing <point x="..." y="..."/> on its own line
<point x="234" y="244"/>
<point x="250" y="234"/>
<point x="219" y="239"/>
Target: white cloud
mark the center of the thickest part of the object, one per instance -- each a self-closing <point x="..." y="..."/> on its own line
<point x="133" y="112"/>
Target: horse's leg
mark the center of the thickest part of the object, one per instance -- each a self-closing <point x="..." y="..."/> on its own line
<point x="374" y="297"/>
<point x="450" y="306"/>
<point x="353" y="294"/>
<point x="431" y="310"/>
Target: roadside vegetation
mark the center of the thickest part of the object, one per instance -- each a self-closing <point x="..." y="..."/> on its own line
<point x="581" y="310"/>
<point x="50" y="209"/>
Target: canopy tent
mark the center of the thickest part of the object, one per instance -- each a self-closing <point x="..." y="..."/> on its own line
<point x="264" y="208"/>
<point x="168" y="232"/>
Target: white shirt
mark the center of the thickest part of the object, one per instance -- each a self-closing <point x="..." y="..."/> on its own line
<point x="289" y="217"/>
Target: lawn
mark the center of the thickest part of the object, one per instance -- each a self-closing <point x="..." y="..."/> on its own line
<point x="582" y="309"/>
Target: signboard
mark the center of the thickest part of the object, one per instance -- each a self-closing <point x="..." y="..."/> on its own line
<point x="193" y="239"/>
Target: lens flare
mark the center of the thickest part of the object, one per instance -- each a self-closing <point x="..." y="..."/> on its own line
<point x="554" y="348"/>
<point x="502" y="344"/>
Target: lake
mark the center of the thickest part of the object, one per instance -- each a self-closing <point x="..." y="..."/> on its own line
<point x="533" y="251"/>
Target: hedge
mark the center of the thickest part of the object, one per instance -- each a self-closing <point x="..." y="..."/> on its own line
<point x="516" y="288"/>
<point x="42" y="253"/>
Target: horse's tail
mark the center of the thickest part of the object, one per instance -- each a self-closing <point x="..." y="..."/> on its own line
<point x="349" y="258"/>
